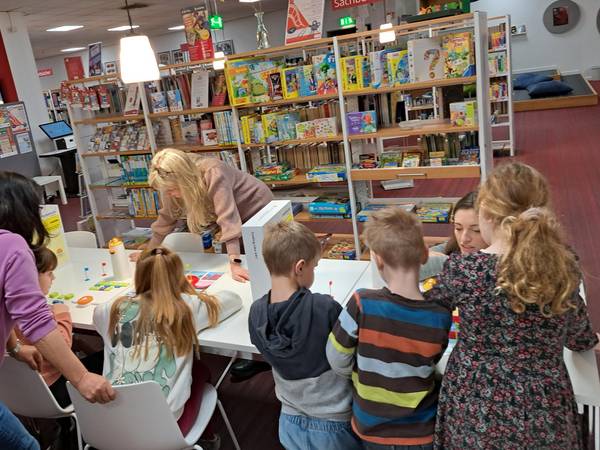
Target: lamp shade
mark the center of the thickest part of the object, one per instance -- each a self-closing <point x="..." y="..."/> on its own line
<point x="387" y="33"/>
<point x="138" y="63"/>
<point x="219" y="61"/>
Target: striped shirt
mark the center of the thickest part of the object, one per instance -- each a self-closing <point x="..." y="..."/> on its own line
<point x="389" y="346"/>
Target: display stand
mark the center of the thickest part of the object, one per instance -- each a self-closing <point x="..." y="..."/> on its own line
<point x="504" y="118"/>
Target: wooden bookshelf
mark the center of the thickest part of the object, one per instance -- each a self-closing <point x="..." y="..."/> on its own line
<point x="98" y="78"/>
<point x="289" y="101"/>
<point x="412" y="86"/>
<point x="107" y="153"/>
<point x="393" y="173"/>
<point x="299" y="180"/>
<point x="418" y="131"/>
<point x="199" y="148"/>
<point x="108" y="119"/>
<point x="304" y="217"/>
<point x="337" y="138"/>
<point x="186" y="112"/>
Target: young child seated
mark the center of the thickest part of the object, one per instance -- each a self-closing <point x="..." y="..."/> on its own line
<point x="46" y="262"/>
<point x="389" y="340"/>
<point x="289" y="326"/>
<point x="152" y="334"/>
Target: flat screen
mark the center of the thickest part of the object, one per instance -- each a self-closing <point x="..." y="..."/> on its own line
<point x="56" y="129"/>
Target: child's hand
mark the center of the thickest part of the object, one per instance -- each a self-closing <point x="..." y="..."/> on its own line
<point x="60" y="308"/>
<point x="30" y="356"/>
<point x="238" y="273"/>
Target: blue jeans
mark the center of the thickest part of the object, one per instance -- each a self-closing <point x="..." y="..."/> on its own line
<point x="13" y="434"/>
<point x="372" y="446"/>
<point x="308" y="433"/>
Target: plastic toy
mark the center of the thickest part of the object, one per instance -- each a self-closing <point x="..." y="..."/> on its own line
<point x="85" y="300"/>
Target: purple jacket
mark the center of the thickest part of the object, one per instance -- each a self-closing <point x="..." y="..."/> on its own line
<point x="21" y="300"/>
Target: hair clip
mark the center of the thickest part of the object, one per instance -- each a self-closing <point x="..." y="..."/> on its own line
<point x="157" y="251"/>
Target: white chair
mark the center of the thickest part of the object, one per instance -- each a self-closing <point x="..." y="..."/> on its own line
<point x="25" y="393"/>
<point x="47" y="181"/>
<point x="184" y="242"/>
<point x="140" y="418"/>
<point x="81" y="239"/>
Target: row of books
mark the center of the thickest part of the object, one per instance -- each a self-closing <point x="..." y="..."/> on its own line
<point x="108" y="98"/>
<point x="497" y="63"/>
<point x="135" y="169"/>
<point x="301" y="157"/>
<point x="143" y="202"/>
<point x="497" y="39"/>
<point x="446" y="155"/>
<point x="284" y="126"/>
<point x="187" y="90"/>
<point x="499" y="90"/>
<point x="176" y="130"/>
<point x="121" y="137"/>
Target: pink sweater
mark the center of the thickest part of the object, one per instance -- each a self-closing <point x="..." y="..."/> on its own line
<point x="236" y="195"/>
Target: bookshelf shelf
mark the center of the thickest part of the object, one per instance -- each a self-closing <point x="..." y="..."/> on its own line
<point x="499" y="100"/>
<point x="300" y="180"/>
<point x="405" y="132"/>
<point x="124" y="153"/>
<point x="186" y="112"/>
<point x="108" y="119"/>
<point x="394" y="173"/>
<point x="420" y="108"/>
<point x="199" y="148"/>
<point x="304" y="217"/>
<point x="412" y="86"/>
<point x="498" y="75"/>
<point x="117" y="184"/>
<point x="337" y="138"/>
<point x="124" y="216"/>
<point x="290" y="101"/>
<point x="112" y="76"/>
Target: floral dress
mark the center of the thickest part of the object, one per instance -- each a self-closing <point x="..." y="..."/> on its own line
<point x="506" y="385"/>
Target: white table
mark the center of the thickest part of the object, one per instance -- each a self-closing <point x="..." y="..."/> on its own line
<point x="46" y="181"/>
<point x="582" y="368"/>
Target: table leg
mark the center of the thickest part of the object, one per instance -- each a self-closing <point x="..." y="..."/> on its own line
<point x="226" y="370"/>
<point x="61" y="191"/>
<point x="596" y="428"/>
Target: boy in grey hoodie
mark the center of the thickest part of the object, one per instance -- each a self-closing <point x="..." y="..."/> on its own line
<point x="289" y="326"/>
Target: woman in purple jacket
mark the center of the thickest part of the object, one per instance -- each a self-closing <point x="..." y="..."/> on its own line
<point x="22" y="303"/>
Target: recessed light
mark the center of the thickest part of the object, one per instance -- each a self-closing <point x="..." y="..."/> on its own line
<point x="249" y="1"/>
<point x="123" y="28"/>
<point x="72" y="49"/>
<point x="178" y="27"/>
<point x="66" y="28"/>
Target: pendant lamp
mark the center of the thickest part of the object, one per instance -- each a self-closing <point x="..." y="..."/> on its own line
<point x="137" y="58"/>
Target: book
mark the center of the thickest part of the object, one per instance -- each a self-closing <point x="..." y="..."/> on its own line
<point x="291" y="82"/>
<point x="459" y="55"/>
<point x="425" y="60"/>
<point x="361" y="122"/>
<point x="371" y="208"/>
<point x="275" y="84"/>
<point x="219" y="90"/>
<point x="411" y="160"/>
<point x="238" y="85"/>
<point x="174" y="100"/>
<point x="380" y="74"/>
<point x="133" y="102"/>
<point x="199" y="93"/>
<point x="352" y="72"/>
<point x="269" y="124"/>
<point x="326" y="127"/>
<point x="209" y="137"/>
<point x="189" y="131"/>
<point x="397" y="66"/>
<point x="259" y="85"/>
<point x="325" y="73"/>
<point x="434" y="212"/>
<point x="158" y="102"/>
<point x="329" y="205"/>
<point x="327" y="172"/>
<point x="286" y="125"/>
<point x="463" y="114"/>
<point x="308" y="83"/>
<point x="305" y="130"/>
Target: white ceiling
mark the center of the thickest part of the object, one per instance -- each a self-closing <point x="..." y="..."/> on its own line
<point x="98" y="15"/>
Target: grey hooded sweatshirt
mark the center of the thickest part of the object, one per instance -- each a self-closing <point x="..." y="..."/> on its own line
<point x="292" y="337"/>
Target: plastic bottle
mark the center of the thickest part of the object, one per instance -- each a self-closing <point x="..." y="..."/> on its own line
<point x="118" y="259"/>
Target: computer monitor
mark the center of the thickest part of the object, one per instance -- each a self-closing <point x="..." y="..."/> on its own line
<point x="55" y="130"/>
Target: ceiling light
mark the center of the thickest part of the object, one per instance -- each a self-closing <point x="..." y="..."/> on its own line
<point x="219" y="61"/>
<point x="138" y="61"/>
<point x="66" y="28"/>
<point x="249" y="1"/>
<point x="72" y="49"/>
<point x="177" y="27"/>
<point x="387" y="33"/>
<point x="123" y="28"/>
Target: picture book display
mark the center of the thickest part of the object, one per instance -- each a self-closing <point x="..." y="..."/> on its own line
<point x="325" y="73"/>
<point x="361" y="122"/>
<point x="459" y="55"/>
<point x="425" y="60"/>
<point x="291" y="82"/>
<point x="398" y="68"/>
<point x="434" y="212"/>
<point x="464" y="114"/>
<point x="199" y="94"/>
<point x="133" y="102"/>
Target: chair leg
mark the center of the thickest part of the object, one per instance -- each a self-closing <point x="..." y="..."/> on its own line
<point x="228" y="425"/>
<point x="78" y="431"/>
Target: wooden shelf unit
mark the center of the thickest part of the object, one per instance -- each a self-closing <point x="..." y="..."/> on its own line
<point x="337" y="138"/>
<point x="422" y="172"/>
<point x="398" y="132"/>
<point x="108" y="119"/>
<point x="109" y="153"/>
<point x="412" y="86"/>
<point x="187" y="112"/>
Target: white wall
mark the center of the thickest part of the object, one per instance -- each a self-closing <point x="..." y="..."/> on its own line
<point x="571" y="52"/>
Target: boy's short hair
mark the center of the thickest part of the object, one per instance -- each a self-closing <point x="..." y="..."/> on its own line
<point x="45" y="260"/>
<point x="396" y="236"/>
<point x="285" y="244"/>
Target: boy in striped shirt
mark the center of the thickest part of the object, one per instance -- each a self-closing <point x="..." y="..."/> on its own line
<point x="389" y="340"/>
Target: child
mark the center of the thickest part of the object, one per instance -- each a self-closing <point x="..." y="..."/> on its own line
<point x="46" y="262"/>
<point x="389" y="340"/>
<point x="506" y="385"/>
<point x="289" y="326"/>
<point x="152" y="334"/>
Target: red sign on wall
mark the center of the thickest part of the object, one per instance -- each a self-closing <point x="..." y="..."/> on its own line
<point x="45" y="72"/>
<point x="341" y="4"/>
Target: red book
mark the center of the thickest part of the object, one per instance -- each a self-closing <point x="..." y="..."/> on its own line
<point x="74" y="67"/>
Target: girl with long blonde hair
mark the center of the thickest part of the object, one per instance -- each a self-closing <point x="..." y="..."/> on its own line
<point x="152" y="334"/>
<point x="506" y="385"/>
<point x="205" y="191"/>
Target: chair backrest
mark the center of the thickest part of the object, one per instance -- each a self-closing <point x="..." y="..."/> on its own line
<point x="25" y="393"/>
<point x="81" y="239"/>
<point x="138" y="418"/>
<point x="184" y="242"/>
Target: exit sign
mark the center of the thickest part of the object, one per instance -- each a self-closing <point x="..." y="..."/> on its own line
<point x="347" y="22"/>
<point x="216" y="22"/>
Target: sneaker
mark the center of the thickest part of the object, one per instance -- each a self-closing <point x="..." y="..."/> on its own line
<point x="210" y="444"/>
<point x="244" y="369"/>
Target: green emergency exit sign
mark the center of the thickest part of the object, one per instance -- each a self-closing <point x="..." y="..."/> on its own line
<point x="347" y="22"/>
<point x="216" y="22"/>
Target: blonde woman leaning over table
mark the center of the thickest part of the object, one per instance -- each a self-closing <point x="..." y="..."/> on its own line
<point x="205" y="191"/>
